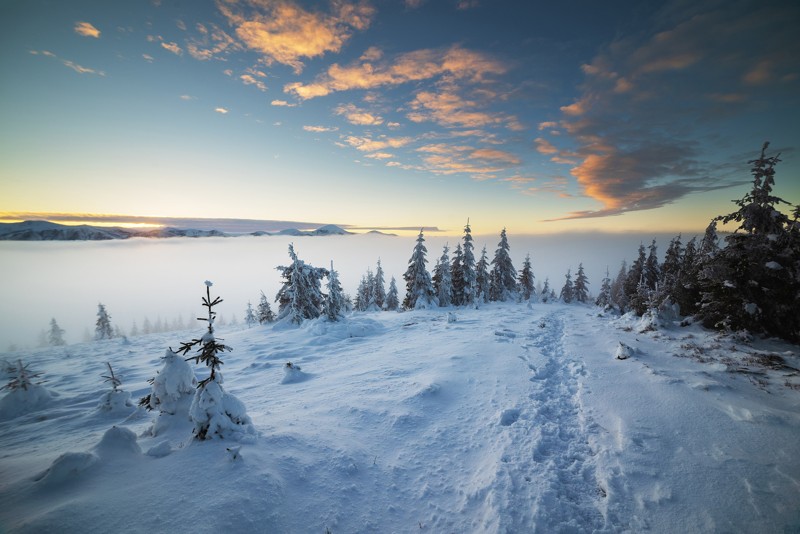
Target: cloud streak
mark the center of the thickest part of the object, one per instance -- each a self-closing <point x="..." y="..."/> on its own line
<point x="86" y="29"/>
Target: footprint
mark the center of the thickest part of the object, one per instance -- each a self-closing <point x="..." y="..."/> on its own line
<point x="509" y="416"/>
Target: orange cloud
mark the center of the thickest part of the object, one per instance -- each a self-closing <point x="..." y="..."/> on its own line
<point x="495" y="155"/>
<point x="455" y="63"/>
<point x="320" y="129"/>
<point x="87" y="30"/>
<point x="248" y="79"/>
<point x="282" y="103"/>
<point x="543" y="146"/>
<point x="365" y="144"/>
<point x="354" y="115"/>
<point x="172" y="47"/>
<point x="286" y="33"/>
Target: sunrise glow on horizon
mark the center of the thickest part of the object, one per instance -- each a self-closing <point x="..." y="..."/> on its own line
<point x="370" y="115"/>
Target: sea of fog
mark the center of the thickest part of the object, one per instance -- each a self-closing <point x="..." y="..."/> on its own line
<point x="162" y="279"/>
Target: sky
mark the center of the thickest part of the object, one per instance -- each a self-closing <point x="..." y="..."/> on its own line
<point x="391" y="114"/>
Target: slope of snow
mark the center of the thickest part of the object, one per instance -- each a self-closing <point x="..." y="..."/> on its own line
<point x="508" y="419"/>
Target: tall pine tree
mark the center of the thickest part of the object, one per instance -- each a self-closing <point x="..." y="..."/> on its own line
<point x="526" y="280"/>
<point x="503" y="277"/>
<point x="581" y="289"/>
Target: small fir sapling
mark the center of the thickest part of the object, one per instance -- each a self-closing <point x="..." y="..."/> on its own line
<point x="25" y="391"/>
<point x="292" y="373"/>
<point x="116" y="399"/>
<point x="215" y="412"/>
<point x="392" y="298"/>
<point x="526" y="278"/>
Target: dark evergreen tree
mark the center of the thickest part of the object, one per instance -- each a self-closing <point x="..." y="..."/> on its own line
<point x="568" y="291"/>
<point x="545" y="295"/>
<point x="652" y="270"/>
<point x="264" y="311"/>
<point x="753" y="283"/>
<point x="503" y="277"/>
<point x="635" y="274"/>
<point x="604" y="297"/>
<point x="482" y="278"/>
<point x="618" y="296"/>
<point x="419" y="290"/>
<point x="392" y="298"/>
<point x="301" y="296"/>
<point x="378" y="287"/>
<point x="457" y="277"/>
<point x="526" y="280"/>
<point x="469" y="281"/>
<point x="334" y="299"/>
<point x="55" y="337"/>
<point x="103" y="329"/>
<point x="640" y="301"/>
<point x="686" y="291"/>
<point x="442" y="284"/>
<point x="671" y="270"/>
<point x="581" y="288"/>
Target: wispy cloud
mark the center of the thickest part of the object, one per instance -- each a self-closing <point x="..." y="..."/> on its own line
<point x="80" y="69"/>
<point x="286" y="33"/>
<point x="172" y="47"/>
<point x="447" y="108"/>
<point x="222" y="111"/>
<point x="249" y="79"/>
<point x="87" y="30"/>
<point x="282" y="103"/>
<point x="366" y="144"/>
<point x="320" y="129"/>
<point x="358" y="116"/>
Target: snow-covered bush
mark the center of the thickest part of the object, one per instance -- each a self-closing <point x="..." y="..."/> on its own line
<point x="173" y="383"/>
<point x="293" y="373"/>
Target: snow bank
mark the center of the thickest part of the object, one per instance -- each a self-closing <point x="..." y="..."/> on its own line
<point x="22" y="401"/>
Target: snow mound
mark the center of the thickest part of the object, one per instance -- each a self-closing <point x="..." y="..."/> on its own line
<point x="66" y="467"/>
<point x="161" y="449"/>
<point x="115" y="401"/>
<point x="624" y="351"/>
<point x="293" y="374"/>
<point x="118" y="441"/>
<point x="21" y="401"/>
<point x="509" y="417"/>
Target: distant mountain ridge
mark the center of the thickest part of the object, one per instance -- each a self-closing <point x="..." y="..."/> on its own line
<point x="49" y="231"/>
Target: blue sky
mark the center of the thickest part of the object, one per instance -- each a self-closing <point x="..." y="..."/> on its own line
<point x="564" y="116"/>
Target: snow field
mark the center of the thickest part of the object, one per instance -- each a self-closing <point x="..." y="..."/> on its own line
<point x="506" y="419"/>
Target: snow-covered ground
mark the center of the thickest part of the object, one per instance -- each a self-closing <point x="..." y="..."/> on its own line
<point x="511" y="418"/>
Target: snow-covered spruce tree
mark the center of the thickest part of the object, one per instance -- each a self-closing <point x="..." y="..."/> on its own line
<point x="301" y="296"/>
<point x="545" y="294"/>
<point x="685" y="291"/>
<point x="482" y="278"/>
<point x="526" y="283"/>
<point x="250" y="315"/>
<point x="753" y="283"/>
<point x="568" y="290"/>
<point x="503" y="277"/>
<point x="581" y="288"/>
<point x="392" y="298"/>
<point x="603" y="299"/>
<point x="55" y="337"/>
<point x="641" y="301"/>
<point x="442" y="283"/>
<point x="469" y="269"/>
<point x="264" y="312"/>
<point x="25" y="391"/>
<point x="334" y="300"/>
<point x="419" y="289"/>
<point x="378" y="286"/>
<point x="457" y="277"/>
<point x="214" y="412"/>
<point x="362" y="295"/>
<point x="102" y="328"/>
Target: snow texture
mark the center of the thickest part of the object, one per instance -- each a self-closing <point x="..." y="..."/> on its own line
<point x="512" y="419"/>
